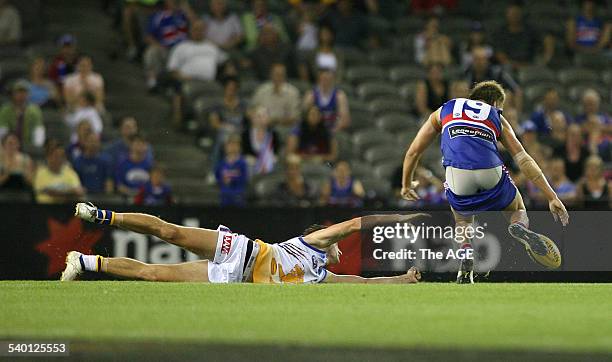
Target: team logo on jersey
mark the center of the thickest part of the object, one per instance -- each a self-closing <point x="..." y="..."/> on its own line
<point x="226" y="244"/>
<point x="468" y="131"/>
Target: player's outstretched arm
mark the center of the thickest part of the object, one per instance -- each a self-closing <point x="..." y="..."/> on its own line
<point x="423" y="139"/>
<point x="412" y="276"/>
<point x="332" y="234"/>
<point x="533" y="172"/>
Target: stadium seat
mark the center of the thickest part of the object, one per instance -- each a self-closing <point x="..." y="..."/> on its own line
<point x="382" y="105"/>
<point x="385" y="170"/>
<point x="575" y="92"/>
<point x="268" y="186"/>
<point x="353" y="57"/>
<point x="315" y="169"/>
<point x="389" y="57"/>
<point x="534" y="93"/>
<point x="301" y="85"/>
<point x="395" y="122"/>
<point x="15" y="196"/>
<point x="455" y="25"/>
<point x="366" y="138"/>
<point x="607" y="78"/>
<point x="535" y="73"/>
<point x="376" y="188"/>
<point x="247" y="87"/>
<point x="405" y="138"/>
<point x="376" y="154"/>
<point x="408" y="91"/>
<point x="345" y="146"/>
<point x="409" y="25"/>
<point x="370" y="90"/>
<point x="363" y="73"/>
<point x="592" y="61"/>
<point x="193" y="89"/>
<point x="360" y="169"/>
<point x="573" y="76"/>
<point x="203" y="104"/>
<point x="407" y="73"/>
<point x="360" y="121"/>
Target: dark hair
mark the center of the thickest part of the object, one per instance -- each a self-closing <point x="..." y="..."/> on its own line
<point x="489" y="92"/>
<point x="230" y="78"/>
<point x="6" y="137"/>
<point x="312" y="228"/>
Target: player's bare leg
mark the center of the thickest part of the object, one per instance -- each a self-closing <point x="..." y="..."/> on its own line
<point x="412" y="276"/>
<point x="465" y="275"/>
<point x="202" y="242"/>
<point x="77" y="264"/>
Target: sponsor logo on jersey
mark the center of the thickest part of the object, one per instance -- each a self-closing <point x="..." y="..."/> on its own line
<point x="226" y="245"/>
<point x="467" y="131"/>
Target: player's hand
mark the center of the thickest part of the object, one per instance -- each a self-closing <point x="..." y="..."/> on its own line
<point x="558" y="210"/>
<point x="409" y="193"/>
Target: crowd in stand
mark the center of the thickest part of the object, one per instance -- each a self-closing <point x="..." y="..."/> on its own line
<point x="301" y="107"/>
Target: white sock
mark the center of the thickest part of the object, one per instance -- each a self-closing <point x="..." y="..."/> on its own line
<point x="89" y="262"/>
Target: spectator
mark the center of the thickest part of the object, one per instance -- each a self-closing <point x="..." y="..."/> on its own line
<point x="565" y="189"/>
<point x="228" y="117"/>
<point x="482" y="69"/>
<point x="85" y="110"/>
<point x="270" y="50"/>
<point x="430" y="46"/>
<point x="133" y="172"/>
<point x="119" y="149"/>
<point x="342" y="189"/>
<point x="156" y="191"/>
<point x="516" y="43"/>
<point x="84" y="80"/>
<point x="558" y="130"/>
<point x="65" y="61"/>
<point x="529" y="139"/>
<point x="260" y="143"/>
<point x="573" y="152"/>
<point x="94" y="168"/>
<point x="281" y="99"/>
<point x="167" y="27"/>
<point x="43" y="92"/>
<point x="56" y="182"/>
<point x="10" y="24"/>
<point x="75" y="149"/>
<point x="325" y="56"/>
<point x="476" y="39"/>
<point x="294" y="190"/>
<point x="542" y="116"/>
<point x="587" y="33"/>
<point x="16" y="168"/>
<point x="254" y="21"/>
<point x="331" y="101"/>
<point x="429" y="7"/>
<point x="593" y="190"/>
<point x="350" y="26"/>
<point x="224" y="29"/>
<point x="306" y="31"/>
<point x="312" y="140"/>
<point x="193" y="59"/>
<point x="21" y="117"/>
<point x="432" y="92"/>
<point x="591" y="113"/>
<point x="459" y="89"/>
<point x="430" y="188"/>
<point x="231" y="174"/>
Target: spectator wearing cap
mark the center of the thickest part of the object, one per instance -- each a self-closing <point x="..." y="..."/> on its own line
<point x="281" y="99"/>
<point x="475" y="39"/>
<point x="517" y="44"/>
<point x="81" y="81"/>
<point x="56" y="181"/>
<point x="93" y="167"/>
<point x="10" y="24"/>
<point x="331" y="101"/>
<point x="312" y="140"/>
<point x="481" y="70"/>
<point x="85" y="110"/>
<point x="22" y="117"/>
<point x="224" y="29"/>
<point x="542" y="116"/>
<point x="43" y="92"/>
<point x="270" y="50"/>
<point x="431" y="46"/>
<point x="587" y="33"/>
<point x="65" y="61"/>
<point x="166" y="28"/>
<point x="254" y="21"/>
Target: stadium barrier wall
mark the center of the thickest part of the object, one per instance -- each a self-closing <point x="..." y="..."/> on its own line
<point x="36" y="239"/>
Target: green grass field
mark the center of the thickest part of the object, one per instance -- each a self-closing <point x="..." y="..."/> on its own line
<point x="517" y="319"/>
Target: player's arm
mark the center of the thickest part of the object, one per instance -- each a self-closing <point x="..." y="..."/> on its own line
<point x="532" y="171"/>
<point x="428" y="132"/>
<point x="334" y="233"/>
<point x="412" y="276"/>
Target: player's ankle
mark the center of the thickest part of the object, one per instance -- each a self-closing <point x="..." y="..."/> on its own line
<point x="93" y="263"/>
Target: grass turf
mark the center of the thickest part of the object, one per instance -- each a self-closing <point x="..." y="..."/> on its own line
<point x="544" y="317"/>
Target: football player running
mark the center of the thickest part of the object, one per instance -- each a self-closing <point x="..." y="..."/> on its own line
<point x="230" y="257"/>
<point x="476" y="178"/>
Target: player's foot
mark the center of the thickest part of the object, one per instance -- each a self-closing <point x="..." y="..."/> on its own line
<point x="85" y="211"/>
<point x="413" y="275"/>
<point x="533" y="241"/>
<point x="73" y="266"/>
<point x="465" y="275"/>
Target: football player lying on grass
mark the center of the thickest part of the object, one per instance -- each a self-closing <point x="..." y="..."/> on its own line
<point x="229" y="257"/>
